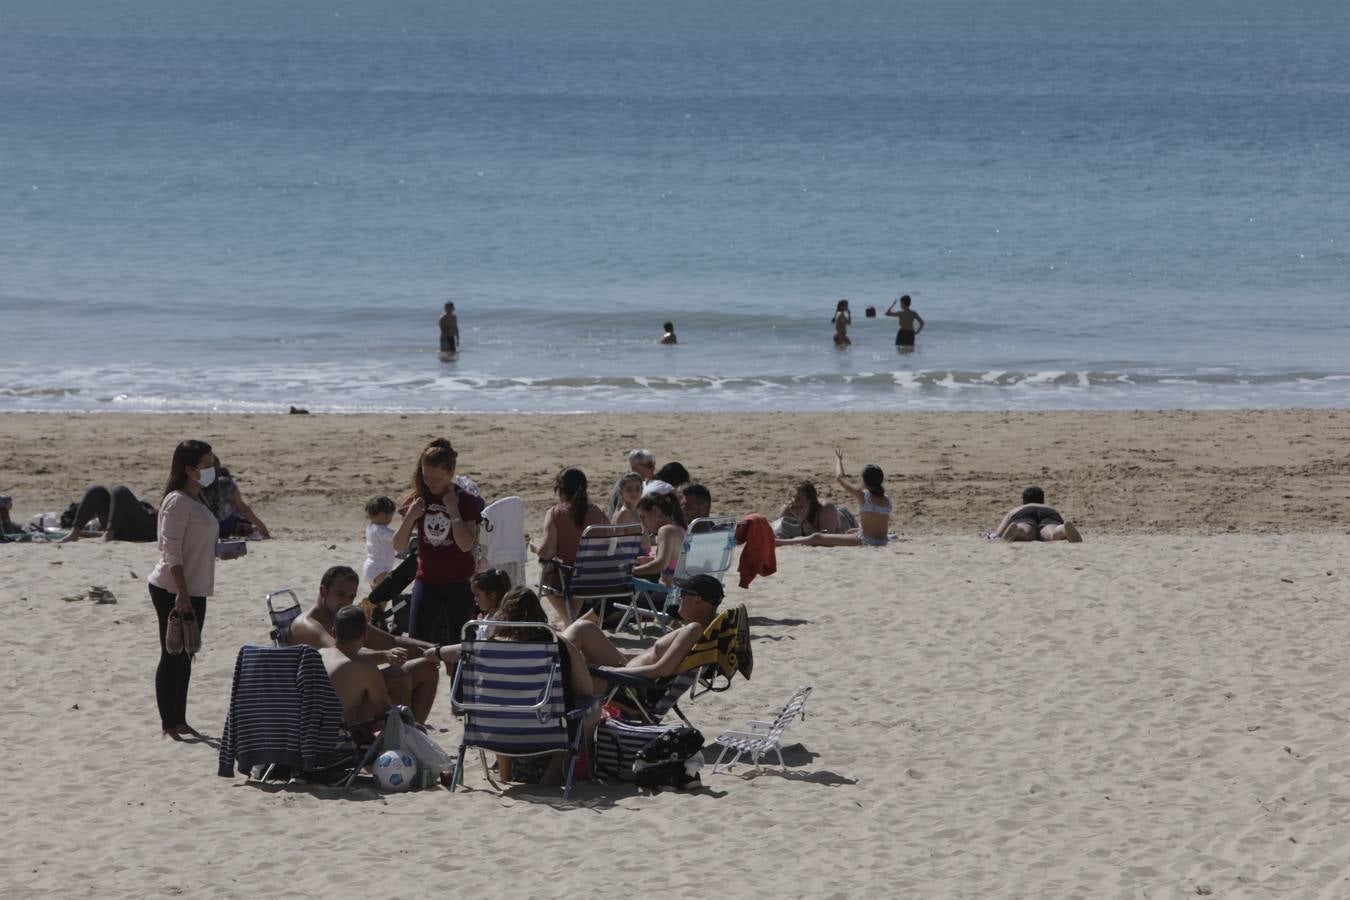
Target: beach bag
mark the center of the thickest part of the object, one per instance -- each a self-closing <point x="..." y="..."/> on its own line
<point x="617" y="744"/>
<point x="671" y="760"/>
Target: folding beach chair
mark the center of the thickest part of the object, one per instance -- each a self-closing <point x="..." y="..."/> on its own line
<point x="708" y="545"/>
<point x="512" y="697"/>
<point x="762" y="737"/>
<point x="283" y="712"/>
<point x="603" y="570"/>
<point x="283" y="608"/>
<point x="720" y="652"/>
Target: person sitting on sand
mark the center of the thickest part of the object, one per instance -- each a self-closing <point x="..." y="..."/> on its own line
<point x="811" y="515"/>
<point x="522" y="605"/>
<point x="235" y="516"/>
<point x="874" y="512"/>
<point x="410" y="682"/>
<point x="356" y="679"/>
<point x="669" y="336"/>
<point x="1035" y="521"/>
<point x="700" y="596"/>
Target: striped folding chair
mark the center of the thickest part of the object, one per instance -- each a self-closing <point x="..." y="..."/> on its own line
<point x="603" y="571"/>
<point x="511" y="694"/>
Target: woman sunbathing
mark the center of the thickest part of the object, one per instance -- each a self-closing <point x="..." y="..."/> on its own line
<point x="874" y="512"/>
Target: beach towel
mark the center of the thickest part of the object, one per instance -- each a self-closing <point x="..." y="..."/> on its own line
<point x="502" y="536"/>
<point x="759" y="556"/>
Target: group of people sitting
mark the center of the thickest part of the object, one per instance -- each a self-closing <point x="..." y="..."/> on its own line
<point x="372" y="670"/>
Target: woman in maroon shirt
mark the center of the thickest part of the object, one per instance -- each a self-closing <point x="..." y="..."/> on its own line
<point x="446" y="521"/>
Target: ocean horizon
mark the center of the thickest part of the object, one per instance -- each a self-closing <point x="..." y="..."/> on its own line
<point x="1092" y="206"/>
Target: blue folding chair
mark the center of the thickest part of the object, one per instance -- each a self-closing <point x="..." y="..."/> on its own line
<point x="708" y="545"/>
<point x="512" y="697"/>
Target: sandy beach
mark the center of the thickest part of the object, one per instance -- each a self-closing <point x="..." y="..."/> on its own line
<point x="1160" y="711"/>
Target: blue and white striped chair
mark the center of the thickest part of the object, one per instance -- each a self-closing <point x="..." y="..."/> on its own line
<point x="603" y="571"/>
<point x="512" y="697"/>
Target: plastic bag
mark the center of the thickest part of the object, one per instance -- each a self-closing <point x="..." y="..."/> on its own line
<point x="427" y="752"/>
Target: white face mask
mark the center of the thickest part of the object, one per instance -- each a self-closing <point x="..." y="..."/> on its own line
<point x="205" y="477"/>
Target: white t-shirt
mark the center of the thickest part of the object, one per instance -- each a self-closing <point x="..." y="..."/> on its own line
<point x="379" y="551"/>
<point x="502" y="536"/>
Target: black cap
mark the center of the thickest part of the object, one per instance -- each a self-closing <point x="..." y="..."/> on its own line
<point x="706" y="586"/>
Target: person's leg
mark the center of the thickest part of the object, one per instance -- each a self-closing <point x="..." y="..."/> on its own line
<point x="459" y="609"/>
<point x="1062" y="532"/>
<point x="94" y="504"/>
<point x="127" y="519"/>
<point x="398" y="685"/>
<point x="587" y="637"/>
<point x="426" y="613"/>
<point x="1019" y="531"/>
<point x="174" y="672"/>
<point x="423" y="676"/>
<point x="821" y="539"/>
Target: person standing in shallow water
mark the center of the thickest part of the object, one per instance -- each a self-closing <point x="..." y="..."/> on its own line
<point x="449" y="330"/>
<point x="910" y="323"/>
<point x="843" y="318"/>
<point x="669" y="336"/>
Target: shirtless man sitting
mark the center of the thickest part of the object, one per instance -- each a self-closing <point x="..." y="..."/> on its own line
<point x="1036" y="521"/>
<point x="409" y="679"/>
<point x="357" y="680"/>
<point x="699" y="598"/>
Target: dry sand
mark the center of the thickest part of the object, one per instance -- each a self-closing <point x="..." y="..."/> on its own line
<point x="1160" y="711"/>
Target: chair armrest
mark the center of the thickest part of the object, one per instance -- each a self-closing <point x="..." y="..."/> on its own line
<point x="739" y="734"/>
<point x="644" y="584"/>
<point x="616" y="676"/>
<point x="756" y="725"/>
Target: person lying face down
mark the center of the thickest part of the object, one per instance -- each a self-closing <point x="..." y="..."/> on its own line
<point x="410" y="680"/>
<point x="356" y="679"/>
<point x="1034" y="520"/>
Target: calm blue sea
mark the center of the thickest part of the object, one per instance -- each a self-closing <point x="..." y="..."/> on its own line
<point x="1094" y="204"/>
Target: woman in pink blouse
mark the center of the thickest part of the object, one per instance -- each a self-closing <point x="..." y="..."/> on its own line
<point x="185" y="573"/>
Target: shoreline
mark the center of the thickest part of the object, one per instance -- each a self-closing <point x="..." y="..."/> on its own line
<point x="949" y="473"/>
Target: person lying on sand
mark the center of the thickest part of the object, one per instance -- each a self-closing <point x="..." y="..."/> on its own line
<point x="1035" y="521"/>
<point x="410" y="680"/>
<point x="700" y="597"/>
<point x="356" y="679"/>
<point x="874" y="512"/>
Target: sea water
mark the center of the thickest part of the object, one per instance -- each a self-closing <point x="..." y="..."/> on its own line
<point x="1093" y="205"/>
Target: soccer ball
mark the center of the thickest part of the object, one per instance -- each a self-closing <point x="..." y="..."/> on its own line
<point x="394" y="770"/>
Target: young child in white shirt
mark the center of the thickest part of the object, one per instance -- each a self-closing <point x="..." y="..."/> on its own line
<point x="379" y="541"/>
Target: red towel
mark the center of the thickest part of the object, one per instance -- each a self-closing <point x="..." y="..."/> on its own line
<point x="759" y="556"/>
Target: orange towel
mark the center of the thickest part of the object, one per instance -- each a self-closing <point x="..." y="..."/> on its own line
<point x="759" y="556"/>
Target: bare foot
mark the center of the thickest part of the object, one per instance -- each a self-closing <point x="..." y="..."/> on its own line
<point x="1071" y="533"/>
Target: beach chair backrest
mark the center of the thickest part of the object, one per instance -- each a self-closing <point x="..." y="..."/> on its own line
<point x="283" y="608"/>
<point x="511" y="694"/>
<point x="681" y="683"/>
<point x="789" y="713"/>
<point x="707" y="551"/>
<point x="604" y="564"/>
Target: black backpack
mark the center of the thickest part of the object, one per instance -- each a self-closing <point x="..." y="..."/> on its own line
<point x="661" y="763"/>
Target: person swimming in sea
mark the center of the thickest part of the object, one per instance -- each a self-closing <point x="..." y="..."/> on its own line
<point x="907" y="320"/>
<point x="669" y="336"/>
<point x="843" y="318"/>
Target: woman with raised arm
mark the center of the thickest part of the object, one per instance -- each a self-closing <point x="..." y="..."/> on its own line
<point x="874" y="512"/>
